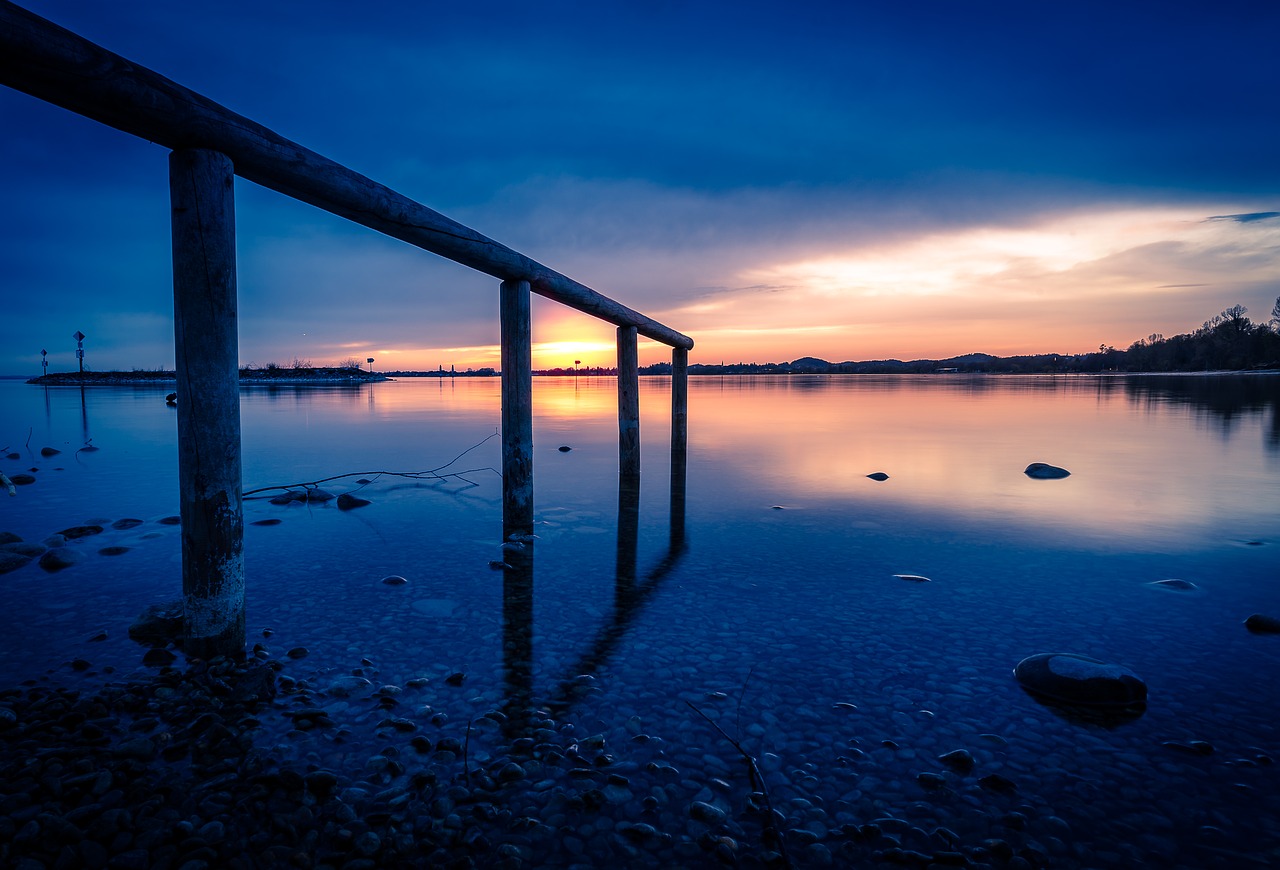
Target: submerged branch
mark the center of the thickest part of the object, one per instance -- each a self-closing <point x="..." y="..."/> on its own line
<point x="429" y="474"/>
<point x="771" y="830"/>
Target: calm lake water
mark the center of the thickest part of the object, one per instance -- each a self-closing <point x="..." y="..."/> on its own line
<point x="767" y="598"/>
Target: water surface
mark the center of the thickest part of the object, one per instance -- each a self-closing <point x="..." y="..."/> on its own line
<point x="767" y="597"/>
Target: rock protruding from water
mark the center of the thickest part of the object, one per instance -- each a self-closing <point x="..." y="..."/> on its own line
<point x="878" y="475"/>
<point x="1045" y="471"/>
<point x="1262" y="624"/>
<point x="1080" y="680"/>
<point x="1174" y="585"/>
<point x="347" y="502"/>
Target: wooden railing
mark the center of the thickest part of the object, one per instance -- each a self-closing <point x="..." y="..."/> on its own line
<point x="210" y="144"/>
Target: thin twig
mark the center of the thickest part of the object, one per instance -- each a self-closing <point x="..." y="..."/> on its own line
<point x="742" y="694"/>
<point x="757" y="782"/>
<point x="466" y="754"/>
<point x="430" y="474"/>
<point x="8" y="484"/>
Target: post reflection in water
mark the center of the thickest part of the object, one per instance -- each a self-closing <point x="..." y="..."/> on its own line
<point x="630" y="593"/>
<point x="84" y="417"/>
<point x="517" y="640"/>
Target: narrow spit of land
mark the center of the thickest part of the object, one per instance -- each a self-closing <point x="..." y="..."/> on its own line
<point x="252" y="377"/>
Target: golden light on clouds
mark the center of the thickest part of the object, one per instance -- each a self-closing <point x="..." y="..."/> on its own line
<point x="1064" y="284"/>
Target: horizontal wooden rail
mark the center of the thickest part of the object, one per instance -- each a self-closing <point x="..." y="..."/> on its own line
<point x="55" y="65"/>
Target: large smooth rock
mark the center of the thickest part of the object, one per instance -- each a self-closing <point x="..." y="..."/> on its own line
<point x="60" y="557"/>
<point x="10" y="538"/>
<point x="1045" y="471"/>
<point x="1075" y="679"/>
<point x="11" y="561"/>
<point x="1261" y="624"/>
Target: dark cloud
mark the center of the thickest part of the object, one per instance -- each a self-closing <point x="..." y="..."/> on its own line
<point x="1246" y="218"/>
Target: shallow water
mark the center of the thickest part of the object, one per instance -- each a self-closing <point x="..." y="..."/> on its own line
<point x="773" y="608"/>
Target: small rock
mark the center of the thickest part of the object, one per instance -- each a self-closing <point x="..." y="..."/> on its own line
<point x="31" y="551"/>
<point x="9" y="538"/>
<point x="113" y="551"/>
<point x="126" y="523"/>
<point x="707" y="813"/>
<point x="49" y="451"/>
<point x="996" y="782"/>
<point x="319" y="495"/>
<point x="60" y="557"/>
<point x="170" y="521"/>
<point x="347" y="502"/>
<point x="158" y="657"/>
<point x="931" y="781"/>
<point x="1174" y="585"/>
<point x="10" y="561"/>
<point x="22" y="479"/>
<point x="394" y="580"/>
<point x="495" y="565"/>
<point x="298" y="652"/>
<point x="267" y="522"/>
<point x="347" y="685"/>
<point x="455" y="679"/>
<point x="878" y="475"/>
<point x="13" y="456"/>
<point x="959" y="760"/>
<point x="1045" y="471"/>
<point x="565" y="448"/>
<point x="80" y="532"/>
<point x="289" y="497"/>
<point x="1259" y="623"/>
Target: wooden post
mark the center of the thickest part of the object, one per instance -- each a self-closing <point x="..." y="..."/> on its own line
<point x="679" y="401"/>
<point x="517" y="410"/>
<point x="628" y="402"/>
<point x="204" y="323"/>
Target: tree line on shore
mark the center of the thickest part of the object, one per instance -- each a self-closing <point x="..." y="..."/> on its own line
<point x="1229" y="341"/>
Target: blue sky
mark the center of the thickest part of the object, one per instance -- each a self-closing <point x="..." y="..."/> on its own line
<point x="850" y="181"/>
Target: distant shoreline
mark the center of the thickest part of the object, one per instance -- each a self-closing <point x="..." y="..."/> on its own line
<point x="248" y="377"/>
<point x="289" y="378"/>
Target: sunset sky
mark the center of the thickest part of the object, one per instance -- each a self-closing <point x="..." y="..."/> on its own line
<point x="843" y="180"/>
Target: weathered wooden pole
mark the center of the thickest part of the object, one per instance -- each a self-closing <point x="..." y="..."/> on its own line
<point x="679" y="401"/>
<point x="517" y="410"/>
<point x="628" y="402"/>
<point x="204" y="325"/>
